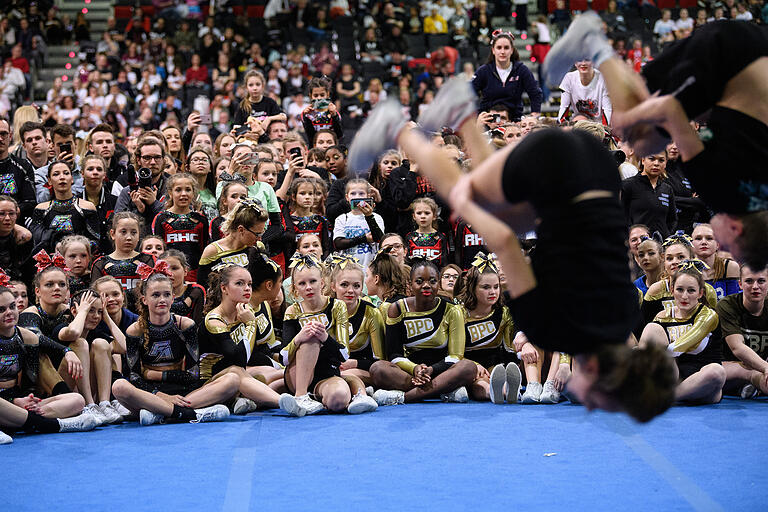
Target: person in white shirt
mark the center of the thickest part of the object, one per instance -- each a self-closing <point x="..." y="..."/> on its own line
<point x="684" y="25"/>
<point x="664" y="28"/>
<point x="584" y="94"/>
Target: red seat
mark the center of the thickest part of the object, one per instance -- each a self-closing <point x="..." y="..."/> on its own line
<point x="578" y="5"/>
<point x="599" y="5"/>
<point x="551" y="6"/>
<point x="149" y="10"/>
<point x="238" y="10"/>
<point x="255" y="11"/>
<point x="123" y="12"/>
<point x="665" y="4"/>
<point x="688" y="4"/>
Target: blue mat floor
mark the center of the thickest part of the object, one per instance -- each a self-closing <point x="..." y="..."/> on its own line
<point x="430" y="456"/>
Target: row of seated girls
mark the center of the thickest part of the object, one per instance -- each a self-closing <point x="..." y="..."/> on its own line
<point x="129" y="338"/>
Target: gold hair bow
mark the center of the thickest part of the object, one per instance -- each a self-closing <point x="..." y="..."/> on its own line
<point x="678" y="238"/>
<point x="254" y="204"/>
<point x="697" y="265"/>
<point x="302" y="261"/>
<point x="341" y="260"/>
<point x="482" y="262"/>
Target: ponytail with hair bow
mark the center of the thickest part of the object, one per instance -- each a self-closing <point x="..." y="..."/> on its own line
<point x="678" y="238"/>
<point x="340" y="260"/>
<point x="656" y="237"/>
<point x="145" y="271"/>
<point x="5" y="279"/>
<point x="44" y="261"/>
<point x="302" y="261"/>
<point x="482" y="262"/>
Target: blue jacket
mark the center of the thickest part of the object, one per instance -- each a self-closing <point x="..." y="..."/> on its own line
<point x="492" y="91"/>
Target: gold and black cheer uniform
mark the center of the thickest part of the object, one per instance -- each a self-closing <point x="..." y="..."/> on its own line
<point x="489" y="339"/>
<point x="334" y="350"/>
<point x="240" y="344"/>
<point x="366" y="335"/>
<point x="435" y="337"/>
<point x="694" y="341"/>
<point x="663" y="301"/>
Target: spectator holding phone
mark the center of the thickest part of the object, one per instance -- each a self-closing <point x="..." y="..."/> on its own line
<point x="359" y="232"/>
<point x="322" y="114"/>
<point x="63" y="137"/>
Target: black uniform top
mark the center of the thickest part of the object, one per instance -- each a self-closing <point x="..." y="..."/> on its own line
<point x="654" y="207"/>
<point x="187" y="232"/>
<point x="122" y="270"/>
<point x="735" y="319"/>
<point x="166" y="345"/>
<point x="467" y="244"/>
<point x="15" y="259"/>
<point x="598" y="305"/>
<point x="105" y="208"/>
<point x="264" y="108"/>
<point x="366" y="335"/>
<point x="190" y="303"/>
<point x="17" y="179"/>
<point x="430" y="246"/>
<point x="49" y="226"/>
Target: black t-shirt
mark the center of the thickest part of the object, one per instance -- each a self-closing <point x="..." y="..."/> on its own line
<point x="730" y="174"/>
<point x="644" y="204"/>
<point x="735" y="319"/>
<point x="264" y="108"/>
<point x="572" y="312"/>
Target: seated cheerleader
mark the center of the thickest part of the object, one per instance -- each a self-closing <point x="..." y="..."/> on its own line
<point x="20" y="409"/>
<point x="122" y="263"/>
<point x="65" y="214"/>
<point x="244" y="227"/>
<point x="386" y="280"/>
<point x="723" y="273"/>
<point x="303" y="220"/>
<point x="659" y="297"/>
<point x="241" y="339"/>
<point x="21" y="294"/>
<point x="188" y="298"/>
<point x="318" y="328"/>
<point x="162" y="354"/>
<point x="88" y="312"/>
<point x="76" y="250"/>
<point x="689" y="330"/>
<point x="182" y="228"/>
<point x="15" y="242"/>
<point x="51" y="291"/>
<point x="308" y="243"/>
<point x="449" y="276"/>
<point x="232" y="193"/>
<point x="366" y="333"/>
<point x="649" y="260"/>
<point x="424" y="341"/>
<point x="152" y="244"/>
<point x="426" y="242"/>
<point x="489" y="329"/>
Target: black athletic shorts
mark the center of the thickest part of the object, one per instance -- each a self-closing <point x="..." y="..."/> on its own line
<point x="169" y="388"/>
<point x="697" y="68"/>
<point x="10" y="393"/>
<point x="329" y="359"/>
<point x="584" y="296"/>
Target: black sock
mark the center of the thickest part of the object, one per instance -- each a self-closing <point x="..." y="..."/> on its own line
<point x="37" y="423"/>
<point x="61" y="388"/>
<point x="183" y="413"/>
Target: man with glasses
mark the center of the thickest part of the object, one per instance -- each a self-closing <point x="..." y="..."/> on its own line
<point x="17" y="177"/>
<point x="146" y="201"/>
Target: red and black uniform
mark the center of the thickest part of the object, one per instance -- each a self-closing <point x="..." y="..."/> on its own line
<point x="190" y="303"/>
<point x="430" y="246"/>
<point x="216" y="233"/>
<point x="313" y="224"/>
<point x="122" y="270"/>
<point x="187" y="232"/>
<point x="467" y="244"/>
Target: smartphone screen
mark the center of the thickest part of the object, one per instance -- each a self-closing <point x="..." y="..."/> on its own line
<point x="205" y="119"/>
<point x="354" y="203"/>
<point x="65" y="147"/>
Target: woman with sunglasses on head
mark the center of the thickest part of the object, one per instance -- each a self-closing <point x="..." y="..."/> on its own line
<point x="244" y="228"/>
<point x="504" y="78"/>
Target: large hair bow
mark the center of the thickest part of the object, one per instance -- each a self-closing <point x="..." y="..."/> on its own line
<point x="340" y="260"/>
<point x="694" y="264"/>
<point x="44" y="261"/>
<point x="254" y="204"/>
<point x="483" y="262"/>
<point x="656" y="237"/>
<point x="145" y="271"/>
<point x="302" y="261"/>
<point x="678" y="238"/>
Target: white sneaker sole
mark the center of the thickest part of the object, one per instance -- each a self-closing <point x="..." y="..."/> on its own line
<point x="514" y="380"/>
<point x="362" y="406"/>
<point x="498" y="379"/>
<point x="288" y="404"/>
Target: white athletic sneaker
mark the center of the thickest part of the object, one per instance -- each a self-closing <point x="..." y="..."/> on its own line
<point x="549" y="395"/>
<point x="532" y="393"/>
<point x="458" y="396"/>
<point x="216" y="412"/>
<point x="244" y="406"/>
<point x="584" y="39"/>
<point x="94" y="411"/>
<point x="5" y="438"/>
<point x="514" y="379"/>
<point x="378" y="134"/>
<point x="454" y="104"/>
<point x="389" y="397"/>
<point x="498" y="379"/>
<point x="361" y="403"/>
<point x="110" y="413"/>
<point x="299" y="405"/>
<point x="120" y="408"/>
<point x="748" y="391"/>
<point x="147" y="418"/>
<point x="369" y="391"/>
<point x="81" y="423"/>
